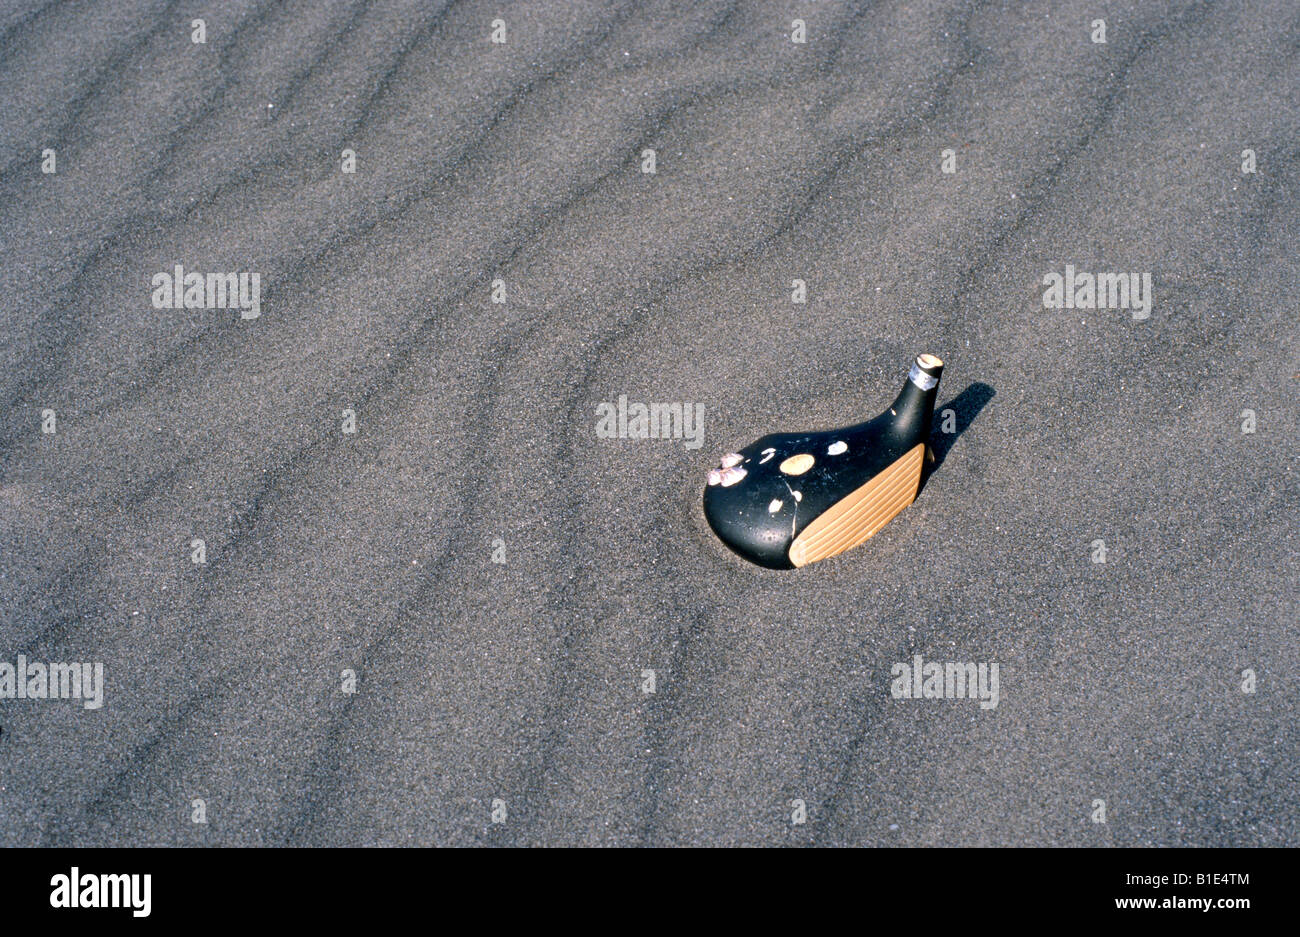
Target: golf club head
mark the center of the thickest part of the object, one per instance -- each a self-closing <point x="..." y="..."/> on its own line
<point x="790" y="499"/>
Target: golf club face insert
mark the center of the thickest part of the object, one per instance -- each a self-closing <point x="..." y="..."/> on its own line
<point x="790" y="499"/>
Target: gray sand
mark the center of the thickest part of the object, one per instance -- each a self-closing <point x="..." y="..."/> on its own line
<point x="521" y="682"/>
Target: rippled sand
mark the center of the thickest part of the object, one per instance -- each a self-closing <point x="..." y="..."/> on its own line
<point x="523" y="682"/>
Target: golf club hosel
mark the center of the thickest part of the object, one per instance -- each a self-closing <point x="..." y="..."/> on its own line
<point x="914" y="406"/>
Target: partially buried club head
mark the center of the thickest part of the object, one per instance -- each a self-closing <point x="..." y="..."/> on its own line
<point x="790" y="499"/>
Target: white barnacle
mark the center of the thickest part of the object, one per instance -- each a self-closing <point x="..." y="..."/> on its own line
<point x="731" y="459"/>
<point x="775" y="506"/>
<point x="837" y="447"/>
<point x="732" y="475"/>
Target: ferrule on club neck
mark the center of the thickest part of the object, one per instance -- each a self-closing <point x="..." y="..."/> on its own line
<point x="925" y="371"/>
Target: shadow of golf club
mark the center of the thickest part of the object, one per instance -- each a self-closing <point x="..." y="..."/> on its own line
<point x="966" y="406"/>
